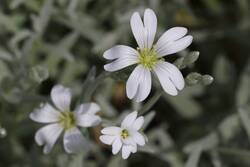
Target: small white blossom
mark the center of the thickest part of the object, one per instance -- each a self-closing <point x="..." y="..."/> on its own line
<point x="125" y="137"/>
<point x="149" y="57"/>
<point x="62" y="119"/>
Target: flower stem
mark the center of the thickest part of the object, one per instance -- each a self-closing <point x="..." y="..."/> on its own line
<point x="146" y="107"/>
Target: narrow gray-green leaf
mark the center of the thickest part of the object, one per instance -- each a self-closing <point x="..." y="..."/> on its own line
<point x="40" y="22"/>
<point x="184" y="105"/>
<point x="245" y="119"/>
<point x="243" y="94"/>
<point x="194" y="157"/>
<point x="148" y="118"/>
<point x="223" y="70"/>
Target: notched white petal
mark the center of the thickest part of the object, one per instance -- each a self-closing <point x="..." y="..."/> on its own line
<point x="129" y="119"/>
<point x="150" y="23"/>
<point x="138" y="123"/>
<point x="173" y="41"/>
<point x="107" y="139"/>
<point x="45" y="114"/>
<point x="144" y="86"/>
<point x="166" y="83"/>
<point x="175" y="75"/>
<point x="116" y="146"/>
<point x="87" y="108"/>
<point x="88" y="120"/>
<point x="129" y="140"/>
<point x="176" y="46"/>
<point x="122" y="55"/>
<point x="47" y="136"/>
<point x="133" y="82"/>
<point x="171" y="34"/>
<point x="139" y="83"/>
<point x="61" y="97"/>
<point x="126" y="151"/>
<point x="120" y="51"/>
<point x="74" y="141"/>
<point x="112" y="130"/>
<point x="139" y="139"/>
<point x="138" y="29"/>
<point x="120" y="63"/>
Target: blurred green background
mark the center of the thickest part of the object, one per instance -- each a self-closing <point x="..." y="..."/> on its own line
<point x="46" y="42"/>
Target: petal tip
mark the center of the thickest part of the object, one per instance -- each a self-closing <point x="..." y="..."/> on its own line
<point x="106" y="55"/>
<point x="149" y="10"/>
<point x="31" y="116"/>
<point x="182" y="86"/>
<point x="138" y="100"/>
<point x="101" y="138"/>
<point x="190" y="38"/>
<point x="107" y="68"/>
<point x="173" y="93"/>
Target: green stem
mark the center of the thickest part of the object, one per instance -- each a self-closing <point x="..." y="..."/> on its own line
<point x="150" y="102"/>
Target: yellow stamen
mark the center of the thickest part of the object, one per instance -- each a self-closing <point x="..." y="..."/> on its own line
<point x="67" y="119"/>
<point x="124" y="133"/>
<point x="148" y="57"/>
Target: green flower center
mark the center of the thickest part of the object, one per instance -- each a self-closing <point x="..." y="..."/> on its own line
<point x="124" y="133"/>
<point x="67" y="119"/>
<point x="148" y="57"/>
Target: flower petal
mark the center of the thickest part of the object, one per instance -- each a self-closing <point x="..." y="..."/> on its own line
<point x="133" y="148"/>
<point x="139" y="138"/>
<point x="87" y="108"/>
<point x="120" y="51"/>
<point x="165" y="81"/>
<point x="120" y="63"/>
<point x="138" y="29"/>
<point x="138" y="123"/>
<point x="129" y="140"/>
<point x="112" y="130"/>
<point x="116" y="146"/>
<point x="61" y="97"/>
<point x="133" y="82"/>
<point x="74" y="141"/>
<point x="45" y="114"/>
<point x="107" y="139"/>
<point x="170" y="35"/>
<point x="47" y="136"/>
<point x="126" y="151"/>
<point x="144" y="87"/>
<point x="150" y="23"/>
<point x="139" y="83"/>
<point x="87" y="120"/>
<point x="129" y="119"/>
<point x="173" y="46"/>
<point x="174" y="74"/>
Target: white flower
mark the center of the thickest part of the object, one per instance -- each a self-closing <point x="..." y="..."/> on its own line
<point x="125" y="137"/>
<point x="62" y="119"/>
<point x="149" y="57"/>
